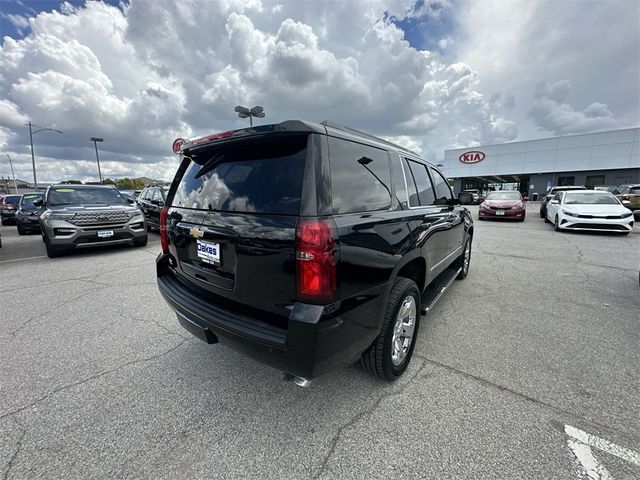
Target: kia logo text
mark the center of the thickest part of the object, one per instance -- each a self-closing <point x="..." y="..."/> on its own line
<point x="471" y="157"/>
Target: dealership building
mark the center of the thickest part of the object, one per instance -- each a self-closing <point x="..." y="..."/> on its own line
<point x="534" y="166"/>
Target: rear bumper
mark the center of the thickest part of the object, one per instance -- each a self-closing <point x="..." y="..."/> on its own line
<point x="315" y="339"/>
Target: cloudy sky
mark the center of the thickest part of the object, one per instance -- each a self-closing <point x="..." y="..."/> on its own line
<point x="431" y="75"/>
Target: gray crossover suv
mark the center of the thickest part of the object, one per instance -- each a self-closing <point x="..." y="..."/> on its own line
<point x="81" y="216"/>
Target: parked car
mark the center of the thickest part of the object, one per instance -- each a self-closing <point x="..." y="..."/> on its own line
<point x="631" y="194"/>
<point x="82" y="216"/>
<point x="28" y="214"/>
<point x="471" y="196"/>
<point x="589" y="210"/>
<point x="606" y="188"/>
<point x="151" y="200"/>
<point x="552" y="193"/>
<point x="309" y="246"/>
<point x="128" y="195"/>
<point x="506" y="204"/>
<point x="8" y="209"/>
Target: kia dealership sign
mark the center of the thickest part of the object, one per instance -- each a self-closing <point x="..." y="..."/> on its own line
<point x="473" y="156"/>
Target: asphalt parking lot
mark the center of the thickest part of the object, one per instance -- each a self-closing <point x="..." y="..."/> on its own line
<point x="526" y="369"/>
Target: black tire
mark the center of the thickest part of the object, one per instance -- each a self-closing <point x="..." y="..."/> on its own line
<point x="543" y="214"/>
<point x="141" y="242"/>
<point x="555" y="224"/>
<point x="461" y="263"/>
<point x="377" y="358"/>
<point x="546" y="220"/>
<point x="5" y="221"/>
<point x="21" y="231"/>
<point x="522" y="219"/>
<point x="52" y="252"/>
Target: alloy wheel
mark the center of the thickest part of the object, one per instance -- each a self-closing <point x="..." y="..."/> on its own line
<point x="403" y="330"/>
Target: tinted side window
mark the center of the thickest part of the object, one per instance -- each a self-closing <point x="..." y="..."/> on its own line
<point x="441" y="186"/>
<point x="156" y="195"/>
<point x="423" y="184"/>
<point x="360" y="177"/>
<point x="143" y="195"/>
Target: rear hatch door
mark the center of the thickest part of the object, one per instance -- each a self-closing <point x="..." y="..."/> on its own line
<point x="237" y="206"/>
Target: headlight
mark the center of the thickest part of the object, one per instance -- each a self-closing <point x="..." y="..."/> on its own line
<point x="484" y="206"/>
<point x="626" y="215"/>
<point x="569" y="212"/>
<point x="517" y="206"/>
<point x="49" y="215"/>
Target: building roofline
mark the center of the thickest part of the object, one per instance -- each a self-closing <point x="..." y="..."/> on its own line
<point x="544" y="138"/>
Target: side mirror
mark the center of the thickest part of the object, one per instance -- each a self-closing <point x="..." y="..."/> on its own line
<point x="39" y="202"/>
<point x="131" y="200"/>
<point x="453" y="202"/>
<point x="626" y="203"/>
<point x="555" y="202"/>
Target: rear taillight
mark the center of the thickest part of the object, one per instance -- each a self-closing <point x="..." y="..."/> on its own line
<point x="316" y="260"/>
<point x="164" y="237"/>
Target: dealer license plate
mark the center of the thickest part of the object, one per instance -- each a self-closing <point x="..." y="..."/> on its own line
<point x="105" y="233"/>
<point x="208" y="252"/>
<point x="499" y="212"/>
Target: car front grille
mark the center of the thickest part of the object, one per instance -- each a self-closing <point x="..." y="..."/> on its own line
<point x="598" y="226"/>
<point x="608" y="217"/>
<point x="108" y="218"/>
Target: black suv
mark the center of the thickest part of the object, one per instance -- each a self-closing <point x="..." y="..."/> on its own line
<point x="150" y="201"/>
<point x="309" y="246"/>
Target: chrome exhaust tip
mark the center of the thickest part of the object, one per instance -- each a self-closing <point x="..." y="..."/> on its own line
<point x="302" y="382"/>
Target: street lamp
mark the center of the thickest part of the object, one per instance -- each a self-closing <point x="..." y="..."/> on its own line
<point x="95" y="141"/>
<point x="33" y="159"/>
<point x="244" y="112"/>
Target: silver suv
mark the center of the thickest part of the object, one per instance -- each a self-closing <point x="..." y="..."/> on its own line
<point x="82" y="216"/>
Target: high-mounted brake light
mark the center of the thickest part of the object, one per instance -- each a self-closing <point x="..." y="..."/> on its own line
<point x="164" y="237"/>
<point x="215" y="136"/>
<point x="315" y="260"/>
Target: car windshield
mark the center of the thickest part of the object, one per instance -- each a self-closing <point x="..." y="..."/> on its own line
<point x="84" y="196"/>
<point x="590" y="198"/>
<point x="12" y="199"/>
<point x="26" y="203"/>
<point x="504" y="196"/>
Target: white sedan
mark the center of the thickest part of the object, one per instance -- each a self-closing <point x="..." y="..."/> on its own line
<point x="595" y="210"/>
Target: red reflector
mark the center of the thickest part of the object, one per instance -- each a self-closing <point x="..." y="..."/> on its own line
<point x="315" y="259"/>
<point x="215" y="136"/>
<point x="164" y="238"/>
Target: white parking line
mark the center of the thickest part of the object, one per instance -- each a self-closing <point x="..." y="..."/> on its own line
<point x="580" y="443"/>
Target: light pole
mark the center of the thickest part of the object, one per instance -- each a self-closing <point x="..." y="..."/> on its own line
<point x="15" y="185"/>
<point x="95" y="141"/>
<point x="244" y="112"/>
<point x="33" y="159"/>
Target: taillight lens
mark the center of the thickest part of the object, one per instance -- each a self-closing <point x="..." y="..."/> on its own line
<point x="315" y="259"/>
<point x="164" y="237"/>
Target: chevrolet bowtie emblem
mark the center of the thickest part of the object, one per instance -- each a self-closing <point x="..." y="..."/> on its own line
<point x="195" y="232"/>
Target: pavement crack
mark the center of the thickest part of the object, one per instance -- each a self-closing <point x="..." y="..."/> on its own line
<point x="528" y="398"/>
<point x="368" y="411"/>
<point x="63" y="304"/>
<point x="92" y="377"/>
<point x="7" y="470"/>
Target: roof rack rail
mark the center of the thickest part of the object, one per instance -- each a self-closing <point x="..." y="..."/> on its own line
<point x="339" y="126"/>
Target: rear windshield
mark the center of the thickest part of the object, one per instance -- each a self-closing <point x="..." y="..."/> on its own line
<point x="28" y="199"/>
<point x="257" y="176"/>
<point x="84" y="196"/>
<point x="590" y="198"/>
<point x="504" y="196"/>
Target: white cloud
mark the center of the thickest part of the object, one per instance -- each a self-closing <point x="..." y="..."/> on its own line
<point x="552" y="113"/>
<point x="148" y="72"/>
